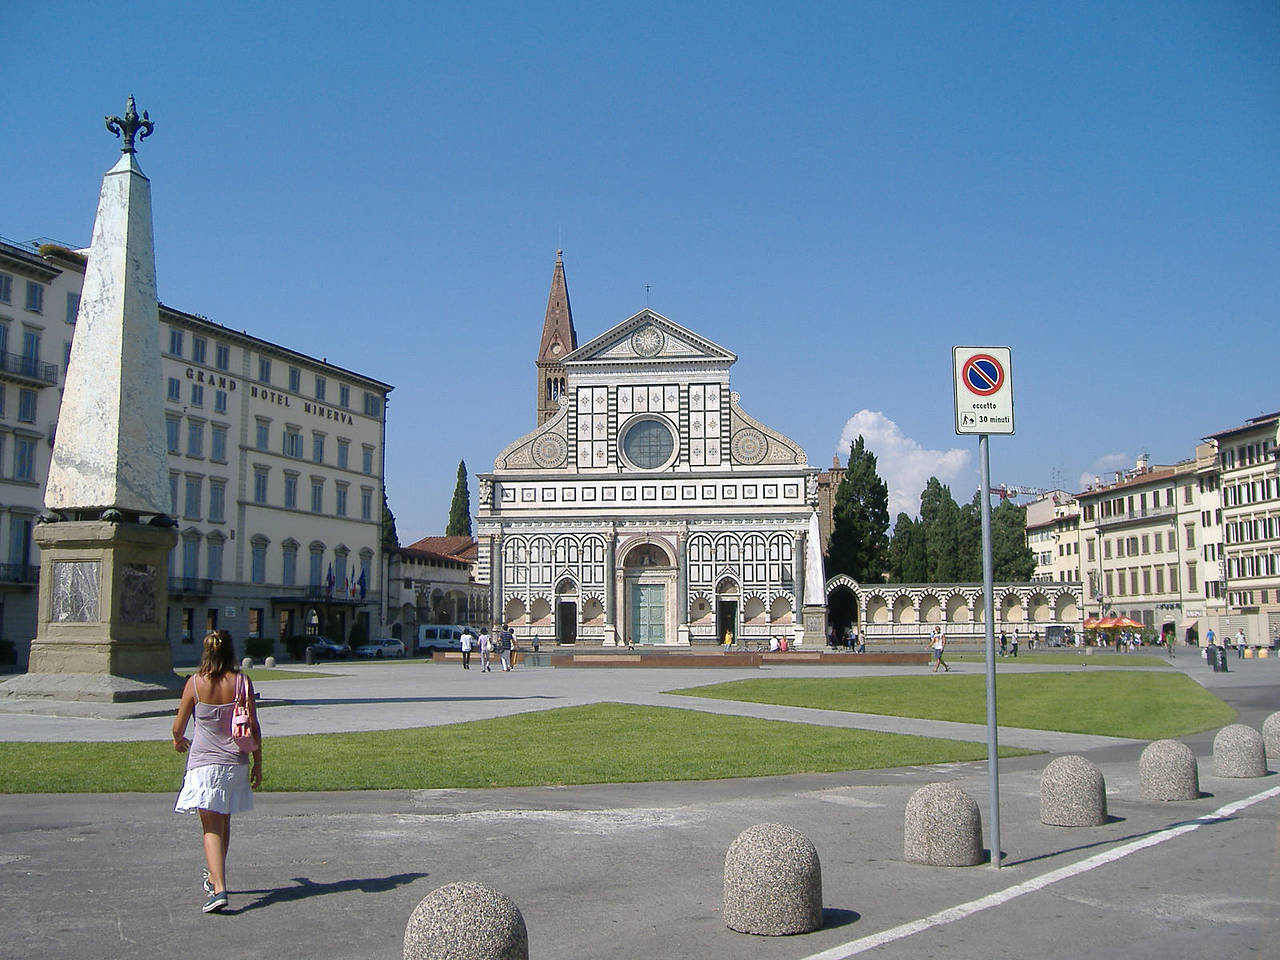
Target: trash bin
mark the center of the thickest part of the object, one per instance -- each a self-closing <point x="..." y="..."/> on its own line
<point x="1222" y="659"/>
<point x="1211" y="657"/>
<point x="309" y="658"/>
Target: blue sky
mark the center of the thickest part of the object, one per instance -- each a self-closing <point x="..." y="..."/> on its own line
<point x="836" y="192"/>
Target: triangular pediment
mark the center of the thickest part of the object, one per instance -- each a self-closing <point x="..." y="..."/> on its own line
<point x="649" y="338"/>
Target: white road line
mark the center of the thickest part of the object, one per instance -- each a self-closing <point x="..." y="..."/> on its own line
<point x="960" y="912"/>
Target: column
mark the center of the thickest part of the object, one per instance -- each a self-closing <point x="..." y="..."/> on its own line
<point x="610" y="587"/>
<point x="682" y="584"/>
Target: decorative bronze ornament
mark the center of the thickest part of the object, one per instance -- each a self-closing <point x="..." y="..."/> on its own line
<point x="130" y="126"/>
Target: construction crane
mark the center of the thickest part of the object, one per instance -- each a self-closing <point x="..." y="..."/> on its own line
<point x="1006" y="491"/>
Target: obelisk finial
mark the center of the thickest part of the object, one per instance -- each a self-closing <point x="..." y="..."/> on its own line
<point x="130" y="126"/>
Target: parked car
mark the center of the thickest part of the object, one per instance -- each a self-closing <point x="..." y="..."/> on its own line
<point x="326" y="649"/>
<point x="386" y="647"/>
<point x="441" y="637"/>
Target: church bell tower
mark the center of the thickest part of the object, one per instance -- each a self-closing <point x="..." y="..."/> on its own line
<point x="558" y="339"/>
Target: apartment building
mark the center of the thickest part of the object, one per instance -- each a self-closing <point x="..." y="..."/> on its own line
<point x="1249" y="556"/>
<point x="1137" y="537"/>
<point x="275" y="468"/>
<point x="1053" y="534"/>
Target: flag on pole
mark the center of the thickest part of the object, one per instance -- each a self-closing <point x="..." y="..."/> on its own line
<point x="363" y="583"/>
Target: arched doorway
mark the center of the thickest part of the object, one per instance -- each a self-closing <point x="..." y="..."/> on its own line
<point x="649" y="594"/>
<point x="566" y="612"/>
<point x="727" y="606"/>
<point x="842" y="613"/>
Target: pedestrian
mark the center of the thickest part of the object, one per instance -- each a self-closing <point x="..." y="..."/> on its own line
<point x="515" y="650"/>
<point x="938" y="642"/>
<point x="486" y="648"/>
<point x="728" y="638"/>
<point x="219" y="780"/>
<point x="535" y="643"/>
<point x="1240" y="644"/>
<point x="1208" y="638"/>
<point x="1013" y="647"/>
<point x="862" y="642"/>
<point x="467" y="640"/>
<point x="504" y="649"/>
<point x="1004" y="643"/>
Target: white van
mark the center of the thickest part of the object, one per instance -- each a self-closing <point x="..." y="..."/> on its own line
<point x="441" y="637"/>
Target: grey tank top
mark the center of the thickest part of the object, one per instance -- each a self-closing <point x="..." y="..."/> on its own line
<point x="211" y="740"/>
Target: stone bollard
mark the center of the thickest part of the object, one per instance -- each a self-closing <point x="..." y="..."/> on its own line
<point x="772" y="882"/>
<point x="1238" y="752"/>
<point x="466" y="921"/>
<point x="1271" y="737"/>
<point x="269" y="662"/>
<point x="1168" y="771"/>
<point x="246" y="663"/>
<point x="1073" y="793"/>
<point x="943" y="827"/>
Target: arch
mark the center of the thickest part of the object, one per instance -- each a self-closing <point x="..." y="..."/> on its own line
<point x="958" y="609"/>
<point x="647" y="553"/>
<point x="904" y="610"/>
<point x="842" y="580"/>
<point x="514" y="611"/>
<point x="727" y="587"/>
<point x="780" y="611"/>
<point x="699" y="609"/>
<point x="539" y="610"/>
<point x="930" y="609"/>
<point x="753" y="610"/>
<point x="877" y="609"/>
<point x="1011" y="608"/>
<point x="566" y="588"/>
<point x="592" y="611"/>
<point x="1066" y="609"/>
<point x="1038" y="608"/>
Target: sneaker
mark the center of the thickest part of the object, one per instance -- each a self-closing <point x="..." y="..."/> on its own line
<point x="205" y="881"/>
<point x="215" y="902"/>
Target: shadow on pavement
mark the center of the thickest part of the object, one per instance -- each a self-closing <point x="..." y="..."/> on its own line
<point x="331" y="701"/>
<point x="1115" y="841"/>
<point x="306" y="889"/>
<point x="833" y="917"/>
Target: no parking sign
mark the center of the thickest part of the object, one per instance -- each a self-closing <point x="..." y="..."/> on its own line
<point x="983" y="389"/>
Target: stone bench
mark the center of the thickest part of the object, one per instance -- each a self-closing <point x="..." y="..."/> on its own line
<point x="1073" y="793"/>
<point x="1168" y="771"/>
<point x="1238" y="752"/>
<point x="466" y="921"/>
<point x="943" y="827"/>
<point x="772" y="882"/>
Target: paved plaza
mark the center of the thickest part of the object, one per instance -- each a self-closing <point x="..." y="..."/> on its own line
<point x="635" y="870"/>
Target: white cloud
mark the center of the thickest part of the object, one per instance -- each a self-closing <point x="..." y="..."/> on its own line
<point x="903" y="464"/>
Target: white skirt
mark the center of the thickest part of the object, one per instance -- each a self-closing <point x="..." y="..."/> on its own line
<point x="219" y="787"/>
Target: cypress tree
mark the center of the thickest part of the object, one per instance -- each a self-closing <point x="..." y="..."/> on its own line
<point x="460" y="510"/>
<point x="859" y="540"/>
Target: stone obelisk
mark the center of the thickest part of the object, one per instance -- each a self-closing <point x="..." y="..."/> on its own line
<point x="814" y="599"/>
<point x="105" y="535"/>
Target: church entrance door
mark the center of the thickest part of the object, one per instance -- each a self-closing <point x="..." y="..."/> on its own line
<point x="566" y="622"/>
<point x="648" y="612"/>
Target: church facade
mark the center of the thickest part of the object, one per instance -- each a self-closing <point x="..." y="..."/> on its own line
<point x="647" y="507"/>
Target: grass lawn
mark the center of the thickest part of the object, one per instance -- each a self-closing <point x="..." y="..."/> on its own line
<point x="1143" y="705"/>
<point x="600" y="743"/>
<point x="1099" y="658"/>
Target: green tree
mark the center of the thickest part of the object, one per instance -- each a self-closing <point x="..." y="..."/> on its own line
<point x="941" y="525"/>
<point x="460" y="509"/>
<point x="390" y="539"/>
<point x="1011" y="558"/>
<point x="859" y="541"/>
<point x="908" y="562"/>
<point x="969" y="541"/>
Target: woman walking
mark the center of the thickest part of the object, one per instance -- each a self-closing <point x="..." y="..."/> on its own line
<point x="219" y="780"/>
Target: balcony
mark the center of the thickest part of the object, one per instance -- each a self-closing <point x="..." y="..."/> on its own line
<point x="1148" y="513"/>
<point x="23" y="573"/>
<point x="336" y="595"/>
<point x="28" y="370"/>
<point x="191" y="586"/>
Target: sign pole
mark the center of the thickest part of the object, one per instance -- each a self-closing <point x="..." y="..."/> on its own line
<point x="988" y="610"/>
<point x="983" y="380"/>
